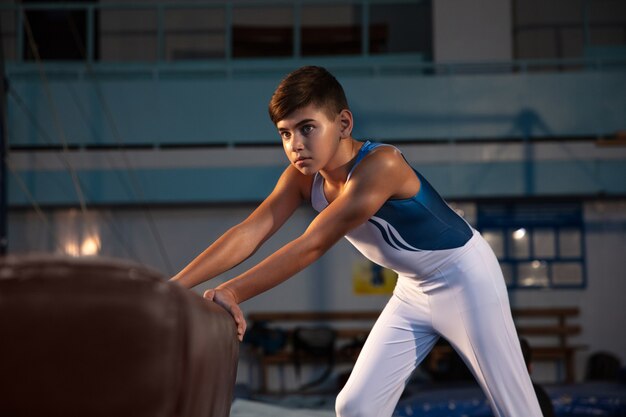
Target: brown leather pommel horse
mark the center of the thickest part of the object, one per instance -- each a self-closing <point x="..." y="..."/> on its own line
<point x="94" y="337"/>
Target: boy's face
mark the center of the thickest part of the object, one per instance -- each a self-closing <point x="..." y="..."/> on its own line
<point x="310" y="138"/>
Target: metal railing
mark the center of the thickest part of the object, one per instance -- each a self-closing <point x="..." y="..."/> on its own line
<point x="160" y="10"/>
<point x="227" y="65"/>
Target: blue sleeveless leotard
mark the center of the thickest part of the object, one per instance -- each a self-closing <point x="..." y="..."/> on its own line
<point x="411" y="236"/>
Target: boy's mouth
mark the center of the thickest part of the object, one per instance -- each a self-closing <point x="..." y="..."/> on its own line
<point x="300" y="160"/>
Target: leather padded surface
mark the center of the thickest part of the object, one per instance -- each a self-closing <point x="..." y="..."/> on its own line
<point x="93" y="337"/>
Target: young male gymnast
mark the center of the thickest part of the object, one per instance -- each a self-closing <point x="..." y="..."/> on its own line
<point x="449" y="281"/>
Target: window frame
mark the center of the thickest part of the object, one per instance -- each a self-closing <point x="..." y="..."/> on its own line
<point x="503" y="218"/>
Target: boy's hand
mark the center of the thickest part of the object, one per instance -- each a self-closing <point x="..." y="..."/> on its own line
<point x="226" y="299"/>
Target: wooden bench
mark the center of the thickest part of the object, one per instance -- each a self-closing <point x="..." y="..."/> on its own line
<point x="537" y="324"/>
<point x="351" y="326"/>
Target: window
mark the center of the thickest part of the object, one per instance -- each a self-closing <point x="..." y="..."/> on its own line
<point x="329" y="29"/>
<point x="59" y="34"/>
<point x="538" y="245"/>
<point x="568" y="29"/>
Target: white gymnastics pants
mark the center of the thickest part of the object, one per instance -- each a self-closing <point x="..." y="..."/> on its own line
<point x="466" y="302"/>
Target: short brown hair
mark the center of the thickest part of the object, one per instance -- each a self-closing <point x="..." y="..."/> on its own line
<point x="304" y="86"/>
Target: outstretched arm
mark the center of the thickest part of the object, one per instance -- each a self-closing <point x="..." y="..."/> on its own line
<point x="349" y="210"/>
<point x="381" y="176"/>
<point x="242" y="240"/>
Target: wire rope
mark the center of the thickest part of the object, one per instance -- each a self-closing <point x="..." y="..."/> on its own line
<point x="134" y="181"/>
<point x="62" y="157"/>
<point x="135" y="185"/>
<point x="33" y="203"/>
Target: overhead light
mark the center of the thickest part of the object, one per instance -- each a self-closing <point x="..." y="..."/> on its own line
<point x="71" y="249"/>
<point x="519" y="233"/>
<point x="90" y="246"/>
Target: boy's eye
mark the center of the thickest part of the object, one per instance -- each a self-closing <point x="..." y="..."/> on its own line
<point x="306" y="129"/>
<point x="285" y="135"/>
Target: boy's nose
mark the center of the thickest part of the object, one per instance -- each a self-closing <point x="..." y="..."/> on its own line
<point x="297" y="143"/>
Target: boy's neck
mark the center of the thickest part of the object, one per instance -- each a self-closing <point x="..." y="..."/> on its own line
<point x="345" y="157"/>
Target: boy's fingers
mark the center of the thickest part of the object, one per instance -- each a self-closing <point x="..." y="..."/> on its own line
<point x="239" y="323"/>
<point x="240" y="320"/>
<point x="232" y="308"/>
<point x="241" y="329"/>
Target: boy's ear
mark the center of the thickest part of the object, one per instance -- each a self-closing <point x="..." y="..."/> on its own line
<point x="345" y="118"/>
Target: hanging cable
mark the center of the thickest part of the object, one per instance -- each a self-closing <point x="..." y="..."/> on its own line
<point x="55" y="115"/>
<point x="62" y="157"/>
<point x="75" y="179"/>
<point x="34" y="203"/>
<point x="134" y="181"/>
<point x="56" y="119"/>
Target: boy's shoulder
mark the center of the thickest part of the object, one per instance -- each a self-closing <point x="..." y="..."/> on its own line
<point x="382" y="155"/>
<point x="373" y="147"/>
<point x="382" y="162"/>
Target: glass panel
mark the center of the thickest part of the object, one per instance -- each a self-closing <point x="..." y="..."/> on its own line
<point x="544" y="243"/>
<point x="519" y="243"/>
<point x="398" y="28"/>
<point x="128" y="35"/>
<point x="467" y="211"/>
<point x="194" y="33"/>
<point x="507" y="271"/>
<point x="8" y="35"/>
<point x="263" y="31"/>
<point x="331" y="29"/>
<point x="567" y="273"/>
<point x="570" y="243"/>
<point x="59" y="34"/>
<point x="495" y="238"/>
<point x="532" y="274"/>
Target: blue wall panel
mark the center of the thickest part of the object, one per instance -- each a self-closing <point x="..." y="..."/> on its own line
<point x="251" y="184"/>
<point x="147" y="186"/>
<point x="146" y="105"/>
<point x="179" y="109"/>
<point x="490" y="106"/>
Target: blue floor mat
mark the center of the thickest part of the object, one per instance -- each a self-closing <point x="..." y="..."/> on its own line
<point x="577" y="400"/>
